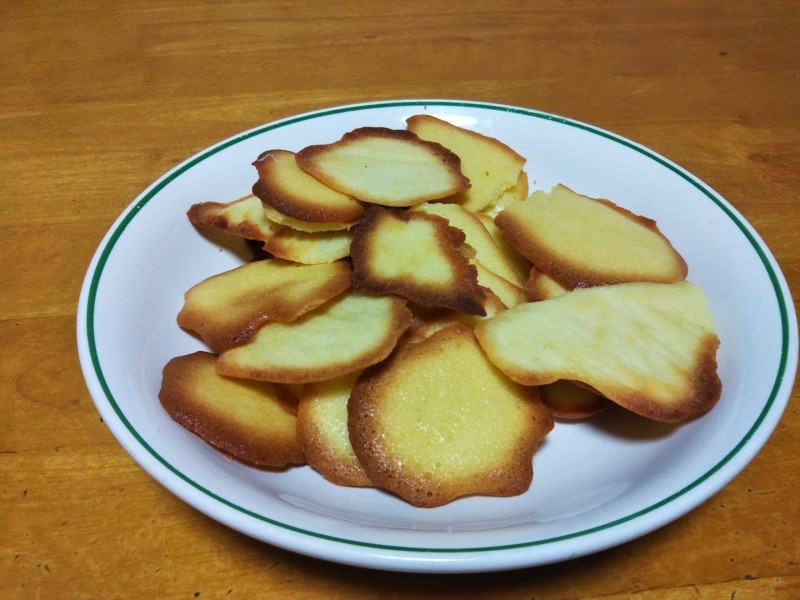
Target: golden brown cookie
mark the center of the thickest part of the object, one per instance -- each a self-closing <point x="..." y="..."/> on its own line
<point x="487" y="251"/>
<point x="437" y="421"/>
<point x="292" y="192"/>
<point x="227" y="309"/>
<point x="243" y="217"/>
<point x="322" y="430"/>
<point x="542" y="287"/>
<point x="244" y="419"/>
<point x="582" y="242"/>
<point x="417" y="256"/>
<point x="569" y="400"/>
<point x="342" y="336"/>
<point x="278" y="218"/>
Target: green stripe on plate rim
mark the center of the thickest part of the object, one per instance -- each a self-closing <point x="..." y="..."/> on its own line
<point x="118" y="231"/>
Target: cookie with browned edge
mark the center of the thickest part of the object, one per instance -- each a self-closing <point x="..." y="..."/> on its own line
<point x="437" y="421"/>
<point x="245" y="419"/>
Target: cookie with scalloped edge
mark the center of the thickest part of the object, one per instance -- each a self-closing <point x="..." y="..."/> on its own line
<point x="417" y="256"/>
<point x="437" y="422"/>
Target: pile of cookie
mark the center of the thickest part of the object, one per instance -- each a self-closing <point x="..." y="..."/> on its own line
<point x="421" y="319"/>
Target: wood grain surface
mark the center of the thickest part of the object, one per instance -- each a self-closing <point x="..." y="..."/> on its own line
<point x="99" y="99"/>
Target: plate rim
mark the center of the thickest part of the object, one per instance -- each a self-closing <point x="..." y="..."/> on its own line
<point x="784" y="377"/>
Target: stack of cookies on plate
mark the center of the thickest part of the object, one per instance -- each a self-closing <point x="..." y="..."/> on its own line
<point x="421" y="319"/>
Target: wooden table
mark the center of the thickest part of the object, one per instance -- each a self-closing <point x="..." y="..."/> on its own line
<point x="99" y="99"/>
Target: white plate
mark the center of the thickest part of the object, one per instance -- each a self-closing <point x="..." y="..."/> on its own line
<point x="597" y="484"/>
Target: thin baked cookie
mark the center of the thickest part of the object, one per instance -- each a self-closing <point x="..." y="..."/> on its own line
<point x="649" y="347"/>
<point x="487" y="251"/>
<point x="495" y="271"/>
<point x="508" y="294"/>
<point x="417" y="256"/>
<point x="385" y="166"/>
<point x="569" y="400"/>
<point x="342" y="336"/>
<point x="227" y="309"/>
<point x="303" y="226"/>
<point x="309" y="248"/>
<point x="519" y="263"/>
<point x="512" y="195"/>
<point x="430" y="441"/>
<point x="583" y="242"/>
<point x="281" y="236"/>
<point x="491" y="166"/>
<point x="243" y="217"/>
<point x="247" y="420"/>
<point x="428" y="321"/>
<point x="294" y="193"/>
<point x="542" y="287"/>
<point x="323" y="433"/>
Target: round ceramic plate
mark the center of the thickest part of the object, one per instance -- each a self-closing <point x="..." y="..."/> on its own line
<point x="597" y="483"/>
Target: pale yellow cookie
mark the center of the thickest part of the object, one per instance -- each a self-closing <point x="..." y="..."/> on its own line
<point x="227" y="309"/>
<point x="491" y="166"/>
<point x="519" y="263"/>
<point x="385" y="166"/>
<point x="342" y="336"/>
<point x="649" y="347"/>
<point x="322" y="430"/>
<point x="512" y="195"/>
<point x="582" y="242"/>
<point x="437" y="421"/>
<point x="309" y="248"/>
